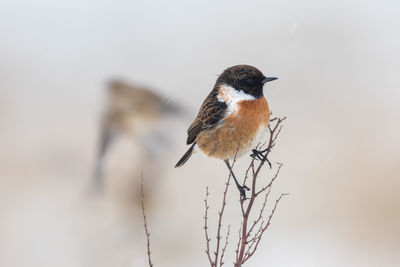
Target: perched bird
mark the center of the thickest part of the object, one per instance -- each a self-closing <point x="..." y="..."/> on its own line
<point x="232" y="118"/>
<point x="135" y="112"/>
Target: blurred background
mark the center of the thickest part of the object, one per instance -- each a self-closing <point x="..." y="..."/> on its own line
<point x="338" y="64"/>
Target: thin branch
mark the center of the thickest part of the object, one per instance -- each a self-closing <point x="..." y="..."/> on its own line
<point x="214" y="263"/>
<point x="206" y="228"/>
<point x="221" y="212"/>
<point x="264" y="228"/>
<point x="145" y="221"/>
<point x="259" y="216"/>
<point x="272" y="180"/>
<point x="239" y="241"/>
<point x="253" y="240"/>
<point x="221" y="262"/>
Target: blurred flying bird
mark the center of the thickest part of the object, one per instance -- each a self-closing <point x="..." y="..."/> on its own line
<point x="232" y="118"/>
<point x="133" y="111"/>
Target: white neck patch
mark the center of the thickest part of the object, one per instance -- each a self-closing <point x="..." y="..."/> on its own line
<point x="231" y="96"/>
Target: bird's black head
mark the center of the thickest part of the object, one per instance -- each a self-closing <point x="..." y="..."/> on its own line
<point x="245" y="78"/>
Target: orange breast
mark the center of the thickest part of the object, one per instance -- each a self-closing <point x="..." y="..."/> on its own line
<point x="241" y="129"/>
<point x="255" y="113"/>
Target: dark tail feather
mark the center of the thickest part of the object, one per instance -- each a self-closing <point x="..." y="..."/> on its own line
<point x="106" y="138"/>
<point x="185" y="157"/>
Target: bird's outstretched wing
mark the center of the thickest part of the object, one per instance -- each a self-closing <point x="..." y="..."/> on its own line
<point x="211" y="113"/>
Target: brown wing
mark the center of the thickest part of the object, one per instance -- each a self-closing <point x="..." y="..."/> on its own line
<point x="211" y="112"/>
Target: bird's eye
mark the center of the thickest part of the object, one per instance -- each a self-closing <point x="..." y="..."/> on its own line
<point x="250" y="81"/>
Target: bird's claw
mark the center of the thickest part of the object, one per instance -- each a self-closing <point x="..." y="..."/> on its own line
<point x="259" y="156"/>
<point x="256" y="155"/>
<point x="242" y="190"/>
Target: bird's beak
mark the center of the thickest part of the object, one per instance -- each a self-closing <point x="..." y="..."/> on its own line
<point x="268" y="79"/>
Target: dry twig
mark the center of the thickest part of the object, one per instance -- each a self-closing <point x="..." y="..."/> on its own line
<point x="250" y="233"/>
<point x="214" y="262"/>
<point x="145" y="221"/>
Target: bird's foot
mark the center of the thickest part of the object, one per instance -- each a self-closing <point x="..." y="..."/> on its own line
<point x="259" y="154"/>
<point x="242" y="190"/>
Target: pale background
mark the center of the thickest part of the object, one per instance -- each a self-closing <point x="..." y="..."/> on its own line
<point x="338" y="64"/>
